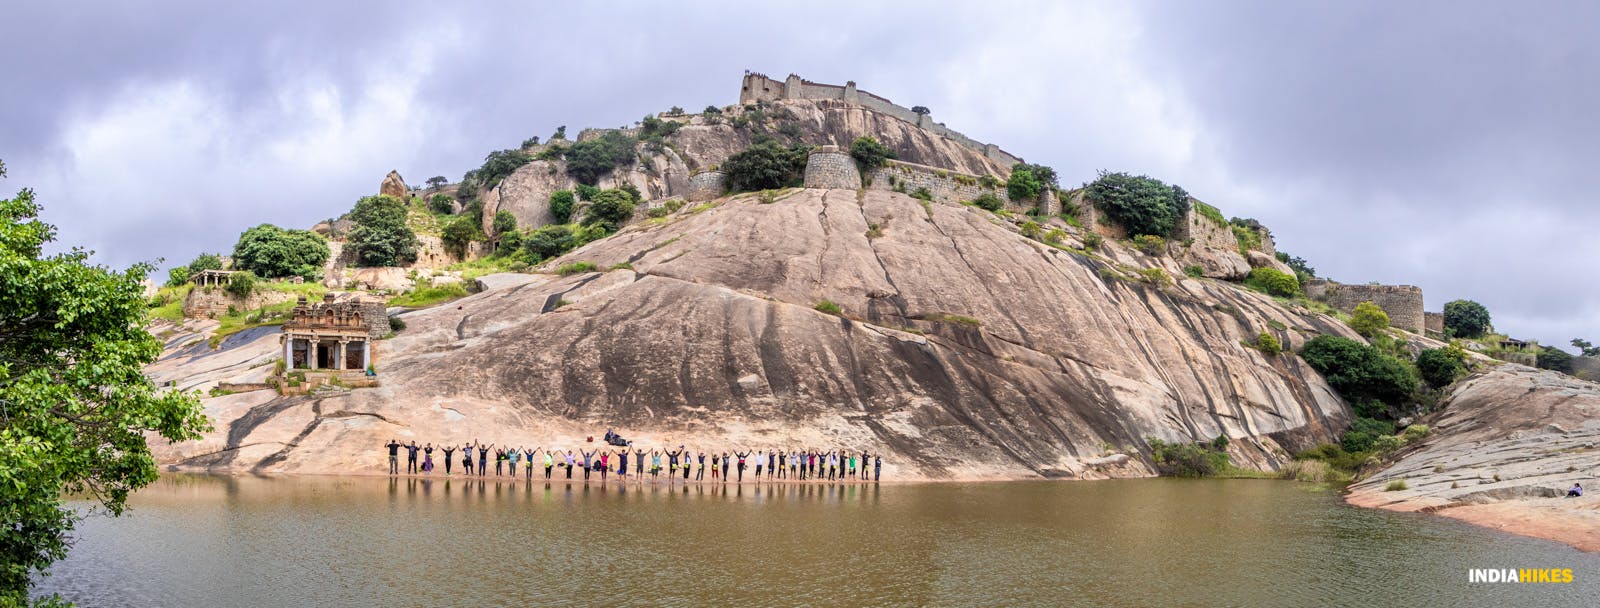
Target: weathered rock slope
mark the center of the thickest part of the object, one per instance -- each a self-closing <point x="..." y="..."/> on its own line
<point x="1505" y="446"/>
<point x="964" y="351"/>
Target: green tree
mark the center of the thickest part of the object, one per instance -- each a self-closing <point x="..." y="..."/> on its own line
<point x="1466" y="318"/>
<point x="610" y="209"/>
<point x="1586" y="348"/>
<point x="588" y="160"/>
<point x="437" y="181"/>
<point x="765" y="166"/>
<point x="1441" y="366"/>
<point x="1023" y="185"/>
<point x="1138" y="203"/>
<point x="1358" y="371"/>
<point x="1368" y="320"/>
<point x="273" y="252"/>
<point x="869" y="154"/>
<point x="586" y="192"/>
<point x="77" y="405"/>
<point x="241" y="284"/>
<point x="206" y="261"/>
<point x="381" y="236"/>
<point x="458" y="234"/>
<point x="503" y="222"/>
<point x="1553" y="358"/>
<point x="988" y="202"/>
<point x="177" y="276"/>
<point x="441" y="204"/>
<point x="1302" y="270"/>
<point x="561" y="203"/>
<point x="499" y="164"/>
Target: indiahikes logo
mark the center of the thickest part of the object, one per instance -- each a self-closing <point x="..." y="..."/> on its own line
<point x="1519" y="575"/>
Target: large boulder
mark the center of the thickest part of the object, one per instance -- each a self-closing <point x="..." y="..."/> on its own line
<point x="526" y="194"/>
<point x="394" y="186"/>
<point x="387" y="278"/>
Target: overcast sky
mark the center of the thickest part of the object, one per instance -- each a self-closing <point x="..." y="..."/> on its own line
<point x="1443" y="144"/>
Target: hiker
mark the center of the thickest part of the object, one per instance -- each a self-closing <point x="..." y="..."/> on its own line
<point x="449" y="452"/>
<point x="655" y="464"/>
<point x="877" y="466"/>
<point x="483" y="459"/>
<point x="586" y="456"/>
<point x="530" y="454"/>
<point x="427" y="461"/>
<point x="549" y="463"/>
<point x="466" y="458"/>
<point x="568" y="455"/>
<point x="1576" y="491"/>
<point x="725" y="469"/>
<point x="411" y="458"/>
<point x="394" y="464"/>
<point x="638" y="463"/>
<point x="605" y="465"/>
<point x="759" y="460"/>
<point x="512" y="456"/>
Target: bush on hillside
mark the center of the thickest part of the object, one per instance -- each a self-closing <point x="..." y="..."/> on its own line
<point x="1140" y="204"/>
<point x="988" y="202"/>
<point x="1027" y="181"/>
<point x="503" y="222"/>
<point x="1364" y="434"/>
<point x="1368" y="320"/>
<point x="548" y="241"/>
<point x="241" y="284"/>
<point x="610" y="209"/>
<point x="458" y="234"/>
<point x="1466" y="319"/>
<point x="1441" y="366"/>
<point x="587" y="192"/>
<point x="1553" y="358"/>
<point x="441" y="204"/>
<point x="869" y="154"/>
<point x="498" y="164"/>
<point x="766" y="166"/>
<point x="1189" y="459"/>
<point x="381" y="236"/>
<point x="1273" y="282"/>
<point x="588" y="160"/>
<point x="273" y="252"/>
<point x="561" y="203"/>
<point x="1358" y="371"/>
<point x="1150" y="244"/>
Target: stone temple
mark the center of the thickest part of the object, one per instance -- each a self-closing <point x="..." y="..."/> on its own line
<point x="332" y="335"/>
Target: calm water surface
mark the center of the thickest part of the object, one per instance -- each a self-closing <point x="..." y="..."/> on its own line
<point x="309" y="541"/>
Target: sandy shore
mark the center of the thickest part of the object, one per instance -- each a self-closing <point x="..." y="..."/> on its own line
<point x="1571" y="521"/>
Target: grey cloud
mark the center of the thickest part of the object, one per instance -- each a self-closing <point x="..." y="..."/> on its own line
<point x="1441" y="144"/>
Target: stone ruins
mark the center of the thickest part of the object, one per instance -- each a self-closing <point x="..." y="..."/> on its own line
<point x="332" y="335"/>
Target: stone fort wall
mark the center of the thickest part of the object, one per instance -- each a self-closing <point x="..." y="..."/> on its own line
<point x="1403" y="303"/>
<point x="758" y="87"/>
<point x="830" y="167"/>
<point x="707" y="185"/>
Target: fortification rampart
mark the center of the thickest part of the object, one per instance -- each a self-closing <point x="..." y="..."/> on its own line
<point x="1403" y="303"/>
<point x="759" y="88"/>
<point x="1433" y="324"/>
<point x="707" y="185"/>
<point x="830" y="167"/>
<point x="1587" y="368"/>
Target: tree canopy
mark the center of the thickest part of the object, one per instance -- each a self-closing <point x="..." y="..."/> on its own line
<point x="1368" y="319"/>
<point x="1358" y="371"/>
<point x="381" y="236"/>
<point x="1140" y="204"/>
<point x="1466" y="318"/>
<point x="869" y="153"/>
<point x="588" y="160"/>
<point x="76" y="401"/>
<point x="765" y="166"/>
<point x="561" y="202"/>
<point x="610" y="209"/>
<point x="273" y="252"/>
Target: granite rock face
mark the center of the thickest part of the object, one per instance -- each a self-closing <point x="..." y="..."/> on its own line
<point x="394" y="186"/>
<point x="962" y="351"/>
<point x="1507" y="444"/>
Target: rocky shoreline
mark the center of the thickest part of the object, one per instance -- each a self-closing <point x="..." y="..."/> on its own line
<point x="1503" y="449"/>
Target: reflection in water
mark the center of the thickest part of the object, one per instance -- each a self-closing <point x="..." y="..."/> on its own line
<point x="223" y="541"/>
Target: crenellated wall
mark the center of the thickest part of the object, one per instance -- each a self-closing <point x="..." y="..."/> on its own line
<point x="757" y="88"/>
<point x="1403" y="303"/>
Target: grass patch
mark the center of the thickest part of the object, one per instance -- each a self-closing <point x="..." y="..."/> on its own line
<point x="577" y="268"/>
<point x="828" y="307"/>
<point x="431" y="295"/>
<point x="622" y="266"/>
<point x="1395" y="486"/>
<point x="168" y="302"/>
<point x="1210" y="213"/>
<point x="484" y="266"/>
<point x="236" y="322"/>
<point x="940" y="317"/>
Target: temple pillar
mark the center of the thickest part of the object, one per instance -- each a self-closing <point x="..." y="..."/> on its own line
<point x="312" y="346"/>
<point x="338" y="363"/>
<point x="366" y="354"/>
<point x="288" y="351"/>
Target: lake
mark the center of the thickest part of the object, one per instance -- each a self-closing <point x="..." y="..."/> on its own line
<point x="326" y="541"/>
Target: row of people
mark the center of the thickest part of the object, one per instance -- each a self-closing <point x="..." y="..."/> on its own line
<point x="798" y="465"/>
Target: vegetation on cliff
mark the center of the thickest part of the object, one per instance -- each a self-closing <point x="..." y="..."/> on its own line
<point x="381" y="236"/>
<point x="766" y="166"/>
<point x="77" y="404"/>
<point x="1140" y="204"/>
<point x="1465" y="319"/>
